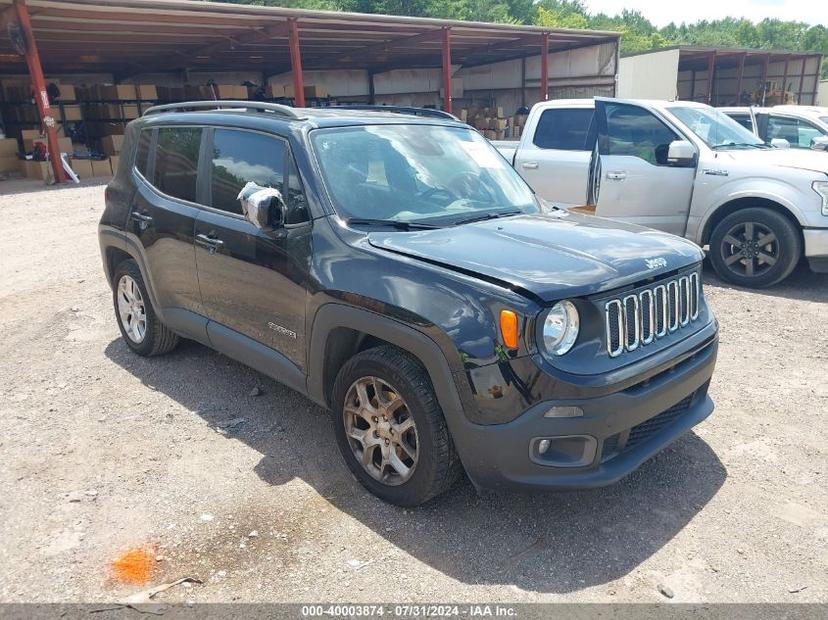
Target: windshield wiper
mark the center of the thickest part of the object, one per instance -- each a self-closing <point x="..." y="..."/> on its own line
<point x="399" y="225"/>
<point x="738" y="145"/>
<point x="486" y="216"/>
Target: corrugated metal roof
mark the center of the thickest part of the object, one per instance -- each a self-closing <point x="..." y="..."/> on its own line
<point x="131" y="36"/>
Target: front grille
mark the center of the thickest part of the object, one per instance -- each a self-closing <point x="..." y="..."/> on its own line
<point x="656" y="424"/>
<point x="647" y="315"/>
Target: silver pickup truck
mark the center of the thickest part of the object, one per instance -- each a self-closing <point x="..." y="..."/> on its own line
<point x="687" y="169"/>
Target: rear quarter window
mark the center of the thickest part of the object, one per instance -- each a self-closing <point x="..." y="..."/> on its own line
<point x="176" y="161"/>
<point x="564" y="129"/>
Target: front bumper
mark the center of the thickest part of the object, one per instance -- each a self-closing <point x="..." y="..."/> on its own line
<point x="628" y="426"/>
<point x="816" y="248"/>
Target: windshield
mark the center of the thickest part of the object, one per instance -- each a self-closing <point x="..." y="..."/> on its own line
<point x="716" y="129"/>
<point x="418" y="174"/>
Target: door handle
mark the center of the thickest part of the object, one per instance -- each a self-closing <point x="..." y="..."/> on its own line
<point x="209" y="242"/>
<point x="530" y="165"/>
<point x="617" y="176"/>
<point x="142" y="219"/>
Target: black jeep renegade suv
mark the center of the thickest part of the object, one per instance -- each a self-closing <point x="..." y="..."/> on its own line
<point x="396" y="270"/>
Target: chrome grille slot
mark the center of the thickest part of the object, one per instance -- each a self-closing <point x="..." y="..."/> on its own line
<point x="647" y="317"/>
<point x="694" y="296"/>
<point x="642" y="317"/>
<point x="632" y="323"/>
<point x="615" y="328"/>
<point x="672" y="306"/>
<point x="684" y="301"/>
<point x="660" y="293"/>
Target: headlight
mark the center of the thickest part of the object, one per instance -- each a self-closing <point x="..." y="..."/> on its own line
<point x="821" y="188"/>
<point x="559" y="328"/>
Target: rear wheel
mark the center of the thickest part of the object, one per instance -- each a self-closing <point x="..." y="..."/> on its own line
<point x="755" y="247"/>
<point x="390" y="428"/>
<point x="139" y="325"/>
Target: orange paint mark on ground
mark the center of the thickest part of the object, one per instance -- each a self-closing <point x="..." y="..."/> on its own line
<point x="134" y="567"/>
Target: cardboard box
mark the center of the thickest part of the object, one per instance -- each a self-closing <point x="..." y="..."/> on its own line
<point x="8" y="147"/>
<point x="275" y="91"/>
<point x="82" y="168"/>
<point x="67" y="92"/>
<point x="118" y="92"/>
<point x="114" y="162"/>
<point x="315" y="91"/>
<point x="147" y="92"/>
<point x="228" y="91"/>
<point x="101" y="167"/>
<point x="64" y="144"/>
<point x="9" y="163"/>
<point x="36" y="169"/>
<point x="112" y="145"/>
<point x="129" y="111"/>
<point x="72" y="113"/>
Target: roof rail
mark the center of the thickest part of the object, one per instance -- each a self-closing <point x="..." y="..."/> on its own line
<point x="256" y="106"/>
<point x="398" y="109"/>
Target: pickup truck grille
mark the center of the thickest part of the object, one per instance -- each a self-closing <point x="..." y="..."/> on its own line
<point x="644" y="316"/>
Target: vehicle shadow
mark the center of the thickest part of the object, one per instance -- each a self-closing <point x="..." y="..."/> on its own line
<point x="547" y="542"/>
<point x="802" y="285"/>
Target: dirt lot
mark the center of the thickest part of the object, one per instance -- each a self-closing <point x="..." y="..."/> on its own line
<point x="102" y="451"/>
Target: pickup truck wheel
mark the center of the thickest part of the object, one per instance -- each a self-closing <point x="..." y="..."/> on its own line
<point x="139" y="325"/>
<point x="390" y="428"/>
<point x="755" y="247"/>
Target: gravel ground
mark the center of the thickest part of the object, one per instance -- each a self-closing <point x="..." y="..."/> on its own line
<point x="102" y="451"/>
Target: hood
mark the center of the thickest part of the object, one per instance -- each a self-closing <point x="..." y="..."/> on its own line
<point x="552" y="256"/>
<point x="804" y="159"/>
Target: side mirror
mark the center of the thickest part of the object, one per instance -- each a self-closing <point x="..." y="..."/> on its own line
<point x="263" y="207"/>
<point x="819" y="143"/>
<point x="681" y="154"/>
<point x="780" y="143"/>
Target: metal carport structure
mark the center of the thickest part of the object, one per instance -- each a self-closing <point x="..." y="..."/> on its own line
<point x="130" y="37"/>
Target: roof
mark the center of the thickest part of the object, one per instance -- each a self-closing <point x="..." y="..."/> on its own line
<point x="143" y="36"/>
<point x="691" y="52"/>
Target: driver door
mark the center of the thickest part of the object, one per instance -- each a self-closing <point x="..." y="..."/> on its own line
<point x="630" y="178"/>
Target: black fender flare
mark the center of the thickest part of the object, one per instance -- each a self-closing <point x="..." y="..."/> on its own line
<point x="334" y="315"/>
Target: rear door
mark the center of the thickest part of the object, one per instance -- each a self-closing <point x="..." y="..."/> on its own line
<point x="162" y="218"/>
<point x="631" y="179"/>
<point x="555" y="162"/>
<point x="253" y="282"/>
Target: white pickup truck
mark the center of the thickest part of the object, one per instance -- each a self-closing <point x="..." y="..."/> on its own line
<point x="684" y="168"/>
<point x="801" y="126"/>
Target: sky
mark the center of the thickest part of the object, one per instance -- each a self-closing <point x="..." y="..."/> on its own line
<point x="662" y="12"/>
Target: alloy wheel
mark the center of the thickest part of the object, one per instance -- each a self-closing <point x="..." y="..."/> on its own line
<point x="750" y="249"/>
<point x="131" y="309"/>
<point x="381" y="431"/>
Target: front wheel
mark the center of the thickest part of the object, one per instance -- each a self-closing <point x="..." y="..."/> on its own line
<point x="390" y="428"/>
<point x="755" y="247"/>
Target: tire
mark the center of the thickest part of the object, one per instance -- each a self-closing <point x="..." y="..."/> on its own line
<point x="738" y="257"/>
<point x="156" y="338"/>
<point x="436" y="466"/>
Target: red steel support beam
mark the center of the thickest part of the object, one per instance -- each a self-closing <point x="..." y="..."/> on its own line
<point x="39" y="84"/>
<point x="447" y="69"/>
<point x="711" y="71"/>
<point x="544" y="77"/>
<point x="296" y="64"/>
<point x="739" y="79"/>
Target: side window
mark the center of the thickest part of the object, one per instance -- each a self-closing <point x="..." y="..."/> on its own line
<point x="142" y="152"/>
<point x="242" y="156"/>
<point x="794" y="130"/>
<point x="635" y="131"/>
<point x="743" y="120"/>
<point x="564" y="129"/>
<point x="176" y="161"/>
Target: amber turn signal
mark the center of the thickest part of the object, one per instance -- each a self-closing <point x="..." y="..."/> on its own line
<point x="509" y="328"/>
